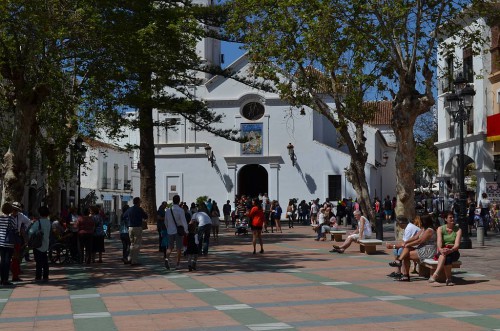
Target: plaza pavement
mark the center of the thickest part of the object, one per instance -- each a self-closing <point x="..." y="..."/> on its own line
<point x="295" y="285"/>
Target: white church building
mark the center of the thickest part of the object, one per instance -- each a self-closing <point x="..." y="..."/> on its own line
<point x="263" y="164"/>
<point x="195" y="163"/>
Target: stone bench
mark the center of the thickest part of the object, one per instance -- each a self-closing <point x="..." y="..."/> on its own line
<point x="369" y="246"/>
<point x="429" y="266"/>
<point x="337" y="235"/>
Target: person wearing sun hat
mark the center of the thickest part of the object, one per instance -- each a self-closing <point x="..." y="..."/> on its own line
<point x="22" y="224"/>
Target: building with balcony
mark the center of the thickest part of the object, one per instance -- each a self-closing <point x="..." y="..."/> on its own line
<point x="109" y="176"/>
<point x="481" y="128"/>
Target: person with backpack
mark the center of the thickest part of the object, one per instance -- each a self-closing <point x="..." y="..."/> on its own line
<point x="40" y="253"/>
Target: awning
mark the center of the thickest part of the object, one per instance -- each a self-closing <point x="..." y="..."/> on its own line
<point x="107" y="197"/>
<point x="493" y="128"/>
<point x="126" y="197"/>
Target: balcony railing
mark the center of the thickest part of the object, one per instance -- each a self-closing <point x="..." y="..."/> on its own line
<point x="117" y="183"/>
<point x="106" y="183"/>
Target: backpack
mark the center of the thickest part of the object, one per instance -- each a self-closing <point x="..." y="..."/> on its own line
<point x="36" y="239"/>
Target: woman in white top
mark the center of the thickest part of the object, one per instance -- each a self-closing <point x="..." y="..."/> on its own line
<point x="363" y="231"/>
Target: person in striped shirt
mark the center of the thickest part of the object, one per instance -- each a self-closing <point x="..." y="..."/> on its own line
<point x="7" y="223"/>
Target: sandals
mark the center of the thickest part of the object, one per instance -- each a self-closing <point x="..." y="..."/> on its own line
<point x="403" y="278"/>
<point x="395" y="263"/>
<point x="336" y="247"/>
<point x="449" y="282"/>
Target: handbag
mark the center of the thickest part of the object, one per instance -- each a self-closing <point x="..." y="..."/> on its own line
<point x="180" y="228"/>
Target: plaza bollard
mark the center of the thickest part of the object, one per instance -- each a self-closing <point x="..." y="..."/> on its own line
<point x="480" y="235"/>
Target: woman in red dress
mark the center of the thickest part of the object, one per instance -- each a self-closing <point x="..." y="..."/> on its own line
<point x="256" y="215"/>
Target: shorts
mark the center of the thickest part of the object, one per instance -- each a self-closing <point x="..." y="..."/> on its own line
<point x="256" y="228"/>
<point x="175" y="238"/>
<point x="397" y="251"/>
<point x="388" y="212"/>
<point x="453" y="257"/>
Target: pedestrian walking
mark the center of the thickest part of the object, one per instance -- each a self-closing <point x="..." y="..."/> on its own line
<point x="135" y="216"/>
<point x="256" y="215"/>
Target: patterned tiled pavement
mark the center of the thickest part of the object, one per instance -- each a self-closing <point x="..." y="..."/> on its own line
<point x="295" y="285"/>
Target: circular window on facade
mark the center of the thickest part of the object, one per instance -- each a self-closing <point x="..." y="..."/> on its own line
<point x="253" y="111"/>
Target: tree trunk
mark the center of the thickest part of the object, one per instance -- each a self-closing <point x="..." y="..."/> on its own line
<point x="407" y="107"/>
<point x="15" y="160"/>
<point x="147" y="153"/>
<point x="356" y="172"/>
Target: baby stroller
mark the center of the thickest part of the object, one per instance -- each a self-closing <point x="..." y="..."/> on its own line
<point x="241" y="226"/>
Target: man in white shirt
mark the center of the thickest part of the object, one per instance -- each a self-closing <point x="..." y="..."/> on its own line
<point x="174" y="217"/>
<point x="410" y="230"/>
<point x="204" y="226"/>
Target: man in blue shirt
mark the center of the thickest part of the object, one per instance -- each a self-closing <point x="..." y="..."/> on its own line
<point x="135" y="215"/>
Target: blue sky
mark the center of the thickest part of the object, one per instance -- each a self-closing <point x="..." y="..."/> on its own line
<point x="231" y="52"/>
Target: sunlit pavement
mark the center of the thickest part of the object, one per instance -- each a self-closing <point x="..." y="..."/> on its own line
<point x="295" y="284"/>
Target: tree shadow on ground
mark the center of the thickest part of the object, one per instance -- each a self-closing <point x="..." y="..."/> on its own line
<point x="233" y="254"/>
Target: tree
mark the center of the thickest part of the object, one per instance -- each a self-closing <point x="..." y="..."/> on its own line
<point x="44" y="46"/>
<point x="399" y="39"/>
<point x="300" y="47"/>
<point x="152" y="62"/>
<point x="406" y="34"/>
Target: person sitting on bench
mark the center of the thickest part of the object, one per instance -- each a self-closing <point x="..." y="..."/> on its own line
<point x="425" y="243"/>
<point x="448" y="242"/>
<point x="410" y="230"/>
<point x="363" y="231"/>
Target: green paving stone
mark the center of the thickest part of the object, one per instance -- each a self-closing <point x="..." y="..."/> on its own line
<point x="83" y="291"/>
<point x="423" y="306"/>
<point x="216" y="298"/>
<point x="5" y="293"/>
<point x="187" y="283"/>
<point x="89" y="305"/>
<point x="482" y="321"/>
<point x="311" y="277"/>
<point x="367" y="291"/>
<point x="95" y="324"/>
<point x="2" y="304"/>
<point x="249" y="316"/>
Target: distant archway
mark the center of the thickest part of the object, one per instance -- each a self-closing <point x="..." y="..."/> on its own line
<point x="252" y="180"/>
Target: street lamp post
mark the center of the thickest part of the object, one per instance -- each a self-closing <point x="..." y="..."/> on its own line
<point x="460" y="104"/>
<point x="80" y="150"/>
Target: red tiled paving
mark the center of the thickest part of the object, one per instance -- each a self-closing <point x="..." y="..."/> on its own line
<point x="278" y="295"/>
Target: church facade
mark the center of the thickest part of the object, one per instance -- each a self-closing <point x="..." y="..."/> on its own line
<point x="290" y="152"/>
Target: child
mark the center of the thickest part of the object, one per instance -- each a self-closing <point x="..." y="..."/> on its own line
<point x="192" y="245"/>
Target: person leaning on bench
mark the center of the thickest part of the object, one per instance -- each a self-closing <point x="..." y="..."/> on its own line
<point x="364" y="231"/>
<point x="422" y="246"/>
<point x="448" y="242"/>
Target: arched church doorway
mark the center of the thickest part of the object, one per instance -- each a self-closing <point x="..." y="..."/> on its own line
<point x="252" y="180"/>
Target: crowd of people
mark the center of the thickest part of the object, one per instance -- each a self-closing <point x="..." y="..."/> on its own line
<point x="82" y="235"/>
<point x="188" y="231"/>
